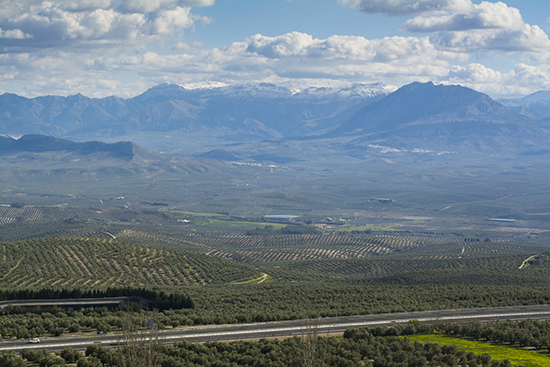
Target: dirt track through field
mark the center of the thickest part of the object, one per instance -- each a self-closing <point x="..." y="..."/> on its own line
<point x="12" y="269"/>
<point x="259" y="280"/>
<point x="526" y="260"/>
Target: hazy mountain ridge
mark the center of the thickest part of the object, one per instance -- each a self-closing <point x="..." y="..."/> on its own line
<point x="245" y="121"/>
<point x="418" y="103"/>
<point x="40" y="157"/>
<point x="428" y="116"/>
<point x="535" y="105"/>
<point x="35" y="143"/>
<point x="239" y="112"/>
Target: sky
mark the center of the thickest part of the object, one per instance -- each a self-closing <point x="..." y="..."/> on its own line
<point x="123" y="47"/>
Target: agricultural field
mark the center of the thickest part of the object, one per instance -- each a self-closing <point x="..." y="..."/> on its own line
<point x="516" y="356"/>
<point x="106" y="262"/>
<point x="375" y="258"/>
<point x="358" y="255"/>
<point x="241" y="225"/>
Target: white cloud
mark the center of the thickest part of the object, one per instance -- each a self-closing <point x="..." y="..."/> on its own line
<point x="529" y="39"/>
<point x="407" y="7"/>
<point x="483" y="16"/>
<point x="100" y="47"/>
<point x="487" y="26"/>
<point x="475" y="73"/>
<point x="187" y="47"/>
<point x="521" y="80"/>
<point x="462" y="26"/>
<point x="170" y="21"/>
<point x="62" y="73"/>
<point x="530" y="76"/>
<point x="14" y="34"/>
<point x="148" y="6"/>
<point x="94" y="22"/>
<point x="404" y="50"/>
<point x="289" y="44"/>
<point x="258" y="58"/>
<point x="85" y="5"/>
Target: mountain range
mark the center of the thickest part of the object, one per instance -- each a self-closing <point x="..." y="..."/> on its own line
<point x="44" y="156"/>
<point x="536" y="105"/>
<point x="240" y="112"/>
<point x="260" y="121"/>
<point x="439" y="117"/>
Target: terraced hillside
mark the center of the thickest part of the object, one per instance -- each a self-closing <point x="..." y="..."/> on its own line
<point x="283" y="249"/>
<point x="362" y="255"/>
<point x="103" y="262"/>
<point x="380" y="267"/>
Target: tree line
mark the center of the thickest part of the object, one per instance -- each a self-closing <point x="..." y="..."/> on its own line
<point x="378" y="347"/>
<point x="158" y="299"/>
<point x="290" y="229"/>
<point x="358" y="347"/>
<point x="272" y="302"/>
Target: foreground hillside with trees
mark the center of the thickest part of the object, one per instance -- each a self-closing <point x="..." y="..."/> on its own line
<point x="192" y="287"/>
<point x="379" y="347"/>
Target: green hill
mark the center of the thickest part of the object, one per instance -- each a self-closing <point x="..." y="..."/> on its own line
<point x="103" y="262"/>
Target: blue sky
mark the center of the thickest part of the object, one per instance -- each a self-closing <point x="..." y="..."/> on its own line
<point x="320" y="18"/>
<point x="116" y="47"/>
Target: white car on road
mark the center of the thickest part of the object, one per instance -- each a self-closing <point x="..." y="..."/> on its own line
<point x="34" y="341"/>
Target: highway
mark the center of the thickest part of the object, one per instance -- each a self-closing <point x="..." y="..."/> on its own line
<point x="290" y="328"/>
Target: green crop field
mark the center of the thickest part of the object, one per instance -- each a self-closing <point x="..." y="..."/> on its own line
<point x="192" y="214"/>
<point x="516" y="356"/>
<point x="242" y="225"/>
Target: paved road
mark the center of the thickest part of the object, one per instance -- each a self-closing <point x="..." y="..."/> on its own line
<point x="289" y="328"/>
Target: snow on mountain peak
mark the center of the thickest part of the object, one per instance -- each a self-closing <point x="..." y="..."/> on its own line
<point x="542" y="97"/>
<point x="269" y="90"/>
<point x="256" y="90"/>
<point x="349" y="91"/>
<point x="204" y="85"/>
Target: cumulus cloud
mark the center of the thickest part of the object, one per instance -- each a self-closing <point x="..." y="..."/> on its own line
<point x="345" y="48"/>
<point x="148" y="6"/>
<point x="258" y="58"/>
<point x="529" y="39"/>
<point x="94" y="22"/>
<point x="521" y="80"/>
<point x="290" y="44"/>
<point x="99" y="48"/>
<point x="474" y="73"/>
<point x="407" y="7"/>
<point x="14" y="34"/>
<point x="484" y="16"/>
<point x="487" y="26"/>
<point x="462" y="26"/>
<point x="187" y="47"/>
<point x="85" y="5"/>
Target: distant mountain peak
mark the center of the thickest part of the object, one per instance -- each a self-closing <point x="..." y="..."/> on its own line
<point x="173" y="118"/>
<point x="255" y="90"/>
<point x="355" y="90"/>
<point x="204" y="85"/>
<point x="542" y="96"/>
<point x="166" y="86"/>
<point x="431" y="116"/>
<point x="535" y="105"/>
<point x="37" y="143"/>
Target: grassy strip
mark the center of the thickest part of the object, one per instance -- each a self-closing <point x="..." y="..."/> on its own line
<point x="361" y="228"/>
<point x="242" y="224"/>
<point x="499" y="352"/>
<point x="195" y="214"/>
